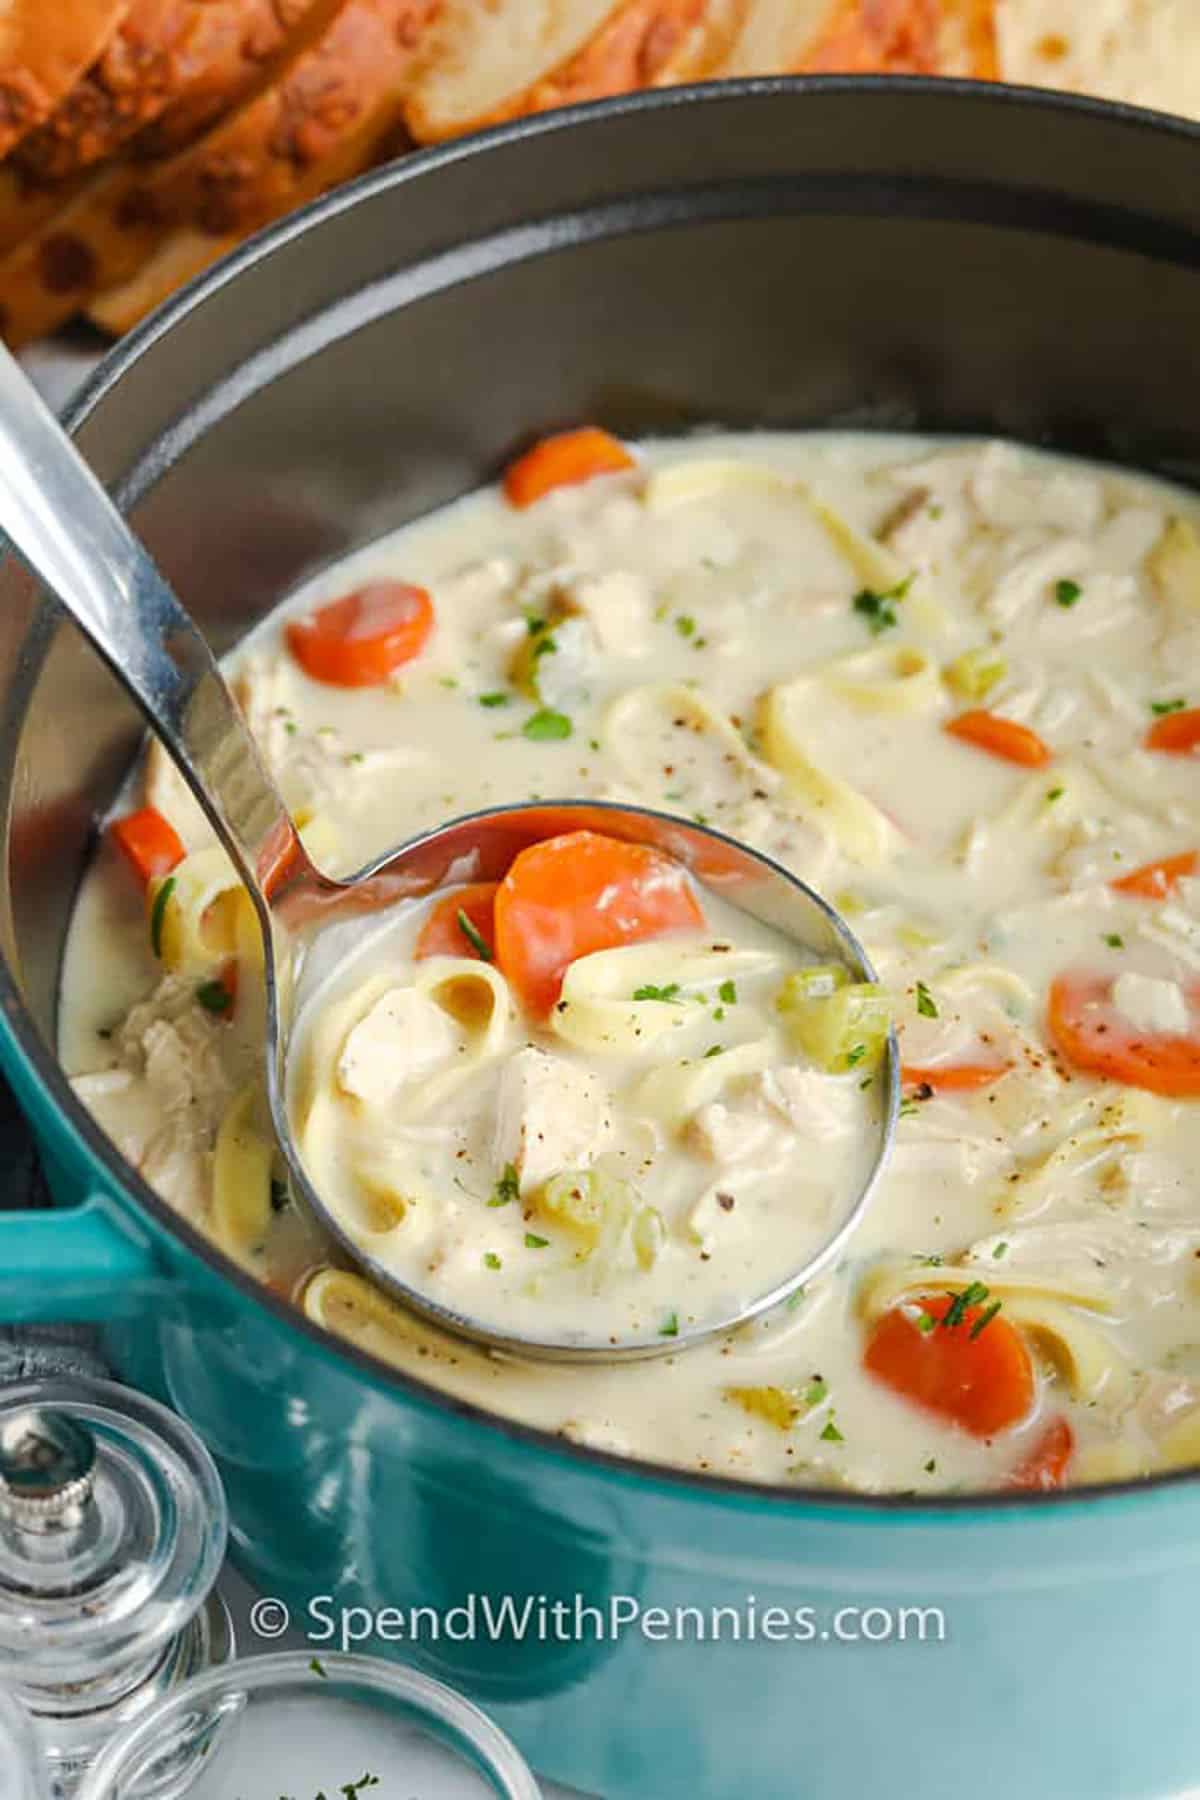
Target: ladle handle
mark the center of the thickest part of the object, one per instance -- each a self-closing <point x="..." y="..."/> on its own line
<point x="61" y="522"/>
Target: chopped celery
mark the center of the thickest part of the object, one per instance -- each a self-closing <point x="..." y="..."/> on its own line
<point x="576" y="1200"/>
<point x="839" y="1024"/>
<point x="779" y="1406"/>
<point x="538" y="642"/>
<point x="649" y="1235"/>
<point x="975" y="673"/>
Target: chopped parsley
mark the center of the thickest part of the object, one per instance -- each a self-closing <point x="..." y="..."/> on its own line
<point x="796" y="1299"/>
<point x="831" y="1434"/>
<point x="985" y="1318"/>
<point x="685" y="625"/>
<point x="534" y="1242"/>
<point x="926" y="1004"/>
<point x="1162" y="707"/>
<point x="507" y="1188"/>
<point x="214" y="997"/>
<point x="972" y="1295"/>
<point x="491" y="1260"/>
<point x="1054" y="793"/>
<point x="1067" y="592"/>
<point x="908" y="1109"/>
<point x="350" y="1790"/>
<point x="713" y="1050"/>
<point x="816" y="1391"/>
<point x="1114" y="940"/>
<point x="498" y="697"/>
<point x="535" y="623"/>
<point x="727" y="992"/>
<point x="473" y="935"/>
<point x="546" y="726"/>
<point x="855" y="1055"/>
<point x="158" y="914"/>
<point x="924" y="1323"/>
<point x="669" y="1326"/>
<point x="931" y="1465"/>
<point x="545" y="646"/>
<point x="879" y="610"/>
<point x="648" y="991"/>
<point x="318" y="1668"/>
<point x="999" y="1250"/>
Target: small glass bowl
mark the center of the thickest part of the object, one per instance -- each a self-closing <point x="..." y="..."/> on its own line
<point x="20" y="1762"/>
<point x="304" y="1725"/>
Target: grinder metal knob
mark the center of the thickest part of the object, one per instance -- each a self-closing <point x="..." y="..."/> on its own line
<point x="47" y="1465"/>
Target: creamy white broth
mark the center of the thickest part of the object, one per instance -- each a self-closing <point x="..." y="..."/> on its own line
<point x="973" y="882"/>
<point x="656" y="1155"/>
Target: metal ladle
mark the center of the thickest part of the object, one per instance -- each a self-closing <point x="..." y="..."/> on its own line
<point x="63" y="525"/>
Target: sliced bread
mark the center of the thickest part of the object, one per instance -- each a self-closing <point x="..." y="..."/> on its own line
<point x="346" y="60"/>
<point x="213" y="66"/>
<point x="45" y="46"/>
<point x="490" y="61"/>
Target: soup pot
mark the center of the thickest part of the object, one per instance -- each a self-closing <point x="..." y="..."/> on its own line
<point x="890" y="254"/>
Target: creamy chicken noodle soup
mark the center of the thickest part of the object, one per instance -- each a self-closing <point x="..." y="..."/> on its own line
<point x="598" y="1104"/>
<point x="956" y="688"/>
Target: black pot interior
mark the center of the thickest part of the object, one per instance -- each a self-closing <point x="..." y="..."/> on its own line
<point x="779" y="254"/>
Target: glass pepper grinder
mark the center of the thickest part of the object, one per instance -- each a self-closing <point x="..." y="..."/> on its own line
<point x="112" y="1534"/>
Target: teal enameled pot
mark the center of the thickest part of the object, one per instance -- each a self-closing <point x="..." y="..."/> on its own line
<point x="898" y="254"/>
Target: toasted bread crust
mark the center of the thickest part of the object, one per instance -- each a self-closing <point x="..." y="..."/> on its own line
<point x="241" y="39"/>
<point x="968" y="39"/>
<point x="874" y="37"/>
<point x="198" y="52"/>
<point x="639" y="44"/>
<point x="645" y="43"/>
<point x="45" y="46"/>
<point x="252" y="169"/>
<point x="345" y="80"/>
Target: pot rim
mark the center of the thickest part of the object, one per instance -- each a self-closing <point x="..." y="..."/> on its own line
<point x="831" y="1506"/>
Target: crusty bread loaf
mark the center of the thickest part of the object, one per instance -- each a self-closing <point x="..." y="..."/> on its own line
<point x="343" y="63"/>
<point x="643" y="44"/>
<point x="45" y="46"/>
<point x="496" y="59"/>
<point x="968" y="39"/>
<point x="189" y="252"/>
<point x="184" y="255"/>
<point x="775" y="37"/>
<point x="926" y="37"/>
<point x="210" y="70"/>
<point x="163" y="53"/>
<point x="1145" y="52"/>
<point x="868" y="37"/>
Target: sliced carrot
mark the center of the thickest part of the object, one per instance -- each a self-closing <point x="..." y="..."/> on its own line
<point x="1046" y="1464"/>
<point x="363" y="638"/>
<point x="1156" y="879"/>
<point x="443" y="934"/>
<point x="562" y="461"/>
<point x="1178" y="734"/>
<point x="983" y="1382"/>
<point x="1001" y="737"/>
<point x="1094" y="1036"/>
<point x="151" y="844"/>
<point x="954" y="1078"/>
<point x="571" y="895"/>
